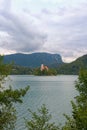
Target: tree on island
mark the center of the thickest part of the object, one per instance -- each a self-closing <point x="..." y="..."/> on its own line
<point x="7" y="99"/>
<point x="44" y="70"/>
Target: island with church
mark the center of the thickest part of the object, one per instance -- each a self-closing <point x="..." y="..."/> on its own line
<point x="44" y="70"/>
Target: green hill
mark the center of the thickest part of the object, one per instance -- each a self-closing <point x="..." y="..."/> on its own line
<point x="73" y="67"/>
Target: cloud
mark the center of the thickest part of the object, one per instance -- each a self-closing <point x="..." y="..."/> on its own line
<point x="58" y="29"/>
<point x="5" y="5"/>
<point x="23" y="33"/>
<point x="68" y="32"/>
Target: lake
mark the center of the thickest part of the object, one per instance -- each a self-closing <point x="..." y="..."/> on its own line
<point x="54" y="91"/>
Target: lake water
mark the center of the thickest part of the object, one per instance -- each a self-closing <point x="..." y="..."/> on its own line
<point x="54" y="91"/>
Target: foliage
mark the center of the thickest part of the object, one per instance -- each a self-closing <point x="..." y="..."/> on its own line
<point x="73" y="67"/>
<point x="45" y="72"/>
<point x="16" y="70"/>
<point x="78" y="121"/>
<point x="40" y="120"/>
<point x="4" y="70"/>
<point x="7" y="99"/>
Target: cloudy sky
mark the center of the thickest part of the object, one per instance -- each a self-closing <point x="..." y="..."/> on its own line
<point x="55" y="26"/>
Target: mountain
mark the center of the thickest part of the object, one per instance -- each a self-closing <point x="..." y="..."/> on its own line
<point x="34" y="60"/>
<point x="24" y="63"/>
<point x="73" y="67"/>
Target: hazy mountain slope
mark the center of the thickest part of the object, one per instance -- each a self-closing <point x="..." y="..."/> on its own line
<point x="34" y="60"/>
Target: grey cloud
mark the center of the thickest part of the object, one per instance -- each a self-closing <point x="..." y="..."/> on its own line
<point x="24" y="35"/>
<point x="46" y="11"/>
<point x="68" y="32"/>
<point x="63" y="30"/>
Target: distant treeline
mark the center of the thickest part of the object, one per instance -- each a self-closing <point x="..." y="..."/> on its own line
<point x="21" y="70"/>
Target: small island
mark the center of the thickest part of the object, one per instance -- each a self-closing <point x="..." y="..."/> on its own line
<point x="44" y="71"/>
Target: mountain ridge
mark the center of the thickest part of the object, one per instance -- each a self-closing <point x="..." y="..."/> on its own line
<point x="34" y="60"/>
<point x="52" y="62"/>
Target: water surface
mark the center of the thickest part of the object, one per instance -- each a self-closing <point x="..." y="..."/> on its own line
<point x="54" y="91"/>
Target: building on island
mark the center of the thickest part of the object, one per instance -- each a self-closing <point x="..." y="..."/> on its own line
<point x="43" y="67"/>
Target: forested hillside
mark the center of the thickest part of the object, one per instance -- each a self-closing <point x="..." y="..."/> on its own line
<point x="73" y="67"/>
<point x="33" y="60"/>
<point x="26" y="64"/>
